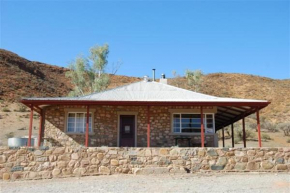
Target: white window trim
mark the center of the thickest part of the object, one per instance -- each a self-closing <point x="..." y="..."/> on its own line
<point x="67" y="111"/>
<point x="205" y="122"/>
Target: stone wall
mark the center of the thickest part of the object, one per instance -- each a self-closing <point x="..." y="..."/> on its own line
<point x="105" y="126"/>
<point x="27" y="163"/>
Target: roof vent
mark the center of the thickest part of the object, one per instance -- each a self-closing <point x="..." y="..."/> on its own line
<point x="153" y="74"/>
<point x="146" y="79"/>
<point x="163" y="79"/>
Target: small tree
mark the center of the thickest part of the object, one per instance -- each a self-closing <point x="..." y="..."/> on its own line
<point x="88" y="74"/>
<point x="194" y="78"/>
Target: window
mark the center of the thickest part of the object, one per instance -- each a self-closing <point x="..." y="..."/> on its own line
<point x="76" y="122"/>
<point x="190" y="123"/>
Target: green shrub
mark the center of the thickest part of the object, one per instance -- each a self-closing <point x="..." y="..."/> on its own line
<point x="5" y="109"/>
<point x="9" y="135"/>
<point x="288" y="140"/>
<point x="239" y="134"/>
<point x="269" y="126"/>
<point x="21" y="108"/>
<point x="237" y="140"/>
<point x="266" y="136"/>
<point x="285" y="127"/>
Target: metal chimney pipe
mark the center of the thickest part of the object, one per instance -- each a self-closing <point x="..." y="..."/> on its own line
<point x="153" y="74"/>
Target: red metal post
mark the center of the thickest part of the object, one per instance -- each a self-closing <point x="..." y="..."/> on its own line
<point x="223" y="131"/>
<point x="87" y="126"/>
<point x="30" y="126"/>
<point x="201" y="127"/>
<point x="244" y="133"/>
<point x="148" y="126"/>
<point x="40" y="129"/>
<point x="259" y="128"/>
<point x="233" y="136"/>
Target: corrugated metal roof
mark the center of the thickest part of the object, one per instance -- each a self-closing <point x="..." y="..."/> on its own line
<point x="149" y="92"/>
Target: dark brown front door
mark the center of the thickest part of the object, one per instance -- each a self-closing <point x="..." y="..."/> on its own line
<point x="127" y="130"/>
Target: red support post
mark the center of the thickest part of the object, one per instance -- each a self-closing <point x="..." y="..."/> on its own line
<point x="40" y="129"/>
<point x="244" y="133"/>
<point x="259" y="128"/>
<point x="87" y="126"/>
<point x="201" y="127"/>
<point x="30" y="126"/>
<point x="223" y="131"/>
<point x="233" y="136"/>
<point x="148" y="126"/>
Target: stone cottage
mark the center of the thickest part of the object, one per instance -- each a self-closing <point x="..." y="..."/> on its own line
<point x="141" y="114"/>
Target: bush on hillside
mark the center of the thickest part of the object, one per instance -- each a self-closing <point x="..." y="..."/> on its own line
<point x="269" y="126"/>
<point x="9" y="135"/>
<point x="21" y="108"/>
<point x="239" y="134"/>
<point x="5" y="109"/>
<point x="285" y="127"/>
<point x="266" y="137"/>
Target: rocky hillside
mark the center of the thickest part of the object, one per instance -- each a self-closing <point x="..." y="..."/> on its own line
<point x="23" y="78"/>
<point x="20" y="77"/>
<point x="248" y="87"/>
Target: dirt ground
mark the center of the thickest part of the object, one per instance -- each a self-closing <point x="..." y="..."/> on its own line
<point x="15" y="124"/>
<point x="200" y="182"/>
<point x="277" y="140"/>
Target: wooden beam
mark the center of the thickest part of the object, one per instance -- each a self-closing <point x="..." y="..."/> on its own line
<point x="148" y="126"/>
<point x="40" y="128"/>
<point x="227" y="113"/>
<point x="244" y="133"/>
<point x="30" y="126"/>
<point x="231" y="109"/>
<point x="259" y="128"/>
<point x="87" y="126"/>
<point x="202" y="126"/>
<point x="250" y="111"/>
<point x="233" y="135"/>
<point x="244" y="108"/>
<point x="223" y="131"/>
<point x="222" y="117"/>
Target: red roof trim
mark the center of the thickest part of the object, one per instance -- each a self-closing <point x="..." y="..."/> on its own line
<point x="141" y="103"/>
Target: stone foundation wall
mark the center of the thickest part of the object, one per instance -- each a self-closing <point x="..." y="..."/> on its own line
<point x="27" y="163"/>
<point x="105" y="129"/>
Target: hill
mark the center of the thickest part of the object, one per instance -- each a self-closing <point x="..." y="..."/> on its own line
<point x="248" y="87"/>
<point x="20" y="77"/>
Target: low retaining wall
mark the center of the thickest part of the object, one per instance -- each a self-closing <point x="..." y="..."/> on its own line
<point x="27" y="163"/>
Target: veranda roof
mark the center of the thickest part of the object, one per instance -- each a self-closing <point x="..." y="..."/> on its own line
<point x="155" y="93"/>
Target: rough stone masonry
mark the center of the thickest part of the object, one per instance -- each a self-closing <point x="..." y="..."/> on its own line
<point x="30" y="163"/>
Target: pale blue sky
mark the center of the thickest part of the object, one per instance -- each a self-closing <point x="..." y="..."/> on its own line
<point x="240" y="36"/>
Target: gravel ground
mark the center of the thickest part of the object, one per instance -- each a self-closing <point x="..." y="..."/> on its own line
<point x="210" y="182"/>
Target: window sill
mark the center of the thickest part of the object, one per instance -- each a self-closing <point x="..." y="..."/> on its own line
<point x="198" y="134"/>
<point x="71" y="133"/>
